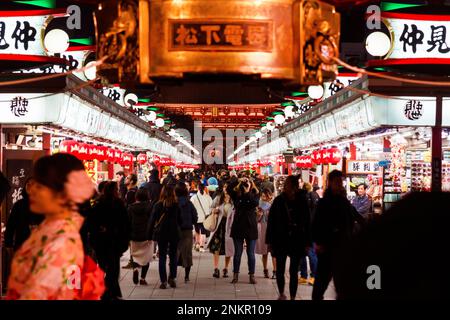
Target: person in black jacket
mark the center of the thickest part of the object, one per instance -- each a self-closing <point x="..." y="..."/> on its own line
<point x="334" y="222"/>
<point x="288" y="233"/>
<point x="188" y="220"/>
<point x="108" y="229"/>
<point x="153" y="186"/>
<point x="164" y="228"/>
<point x="141" y="246"/>
<point x="245" y="226"/>
<point x="20" y="222"/>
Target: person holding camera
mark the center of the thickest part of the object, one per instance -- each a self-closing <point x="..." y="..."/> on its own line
<point x="245" y="197"/>
<point x="288" y="233"/>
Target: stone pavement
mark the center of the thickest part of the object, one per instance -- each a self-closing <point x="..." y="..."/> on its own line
<point x="204" y="287"/>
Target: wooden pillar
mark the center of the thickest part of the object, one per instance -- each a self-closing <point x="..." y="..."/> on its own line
<point x="436" y="149"/>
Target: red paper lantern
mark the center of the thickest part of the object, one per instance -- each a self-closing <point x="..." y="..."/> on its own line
<point x="102" y="153"/>
<point x="142" y="158"/>
<point x="317" y="157"/>
<point x="117" y="156"/>
<point x="69" y="146"/>
<point x="83" y="151"/>
<point x="127" y="159"/>
<point x="336" y="155"/>
<point x="92" y="152"/>
<point x="110" y="155"/>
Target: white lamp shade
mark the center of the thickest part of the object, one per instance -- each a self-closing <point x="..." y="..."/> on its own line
<point x="289" y="111"/>
<point x="91" y="71"/>
<point x="56" y="41"/>
<point x="130" y="99"/>
<point x="270" y="126"/>
<point x="279" y="119"/>
<point x="378" y="44"/>
<point x="258" y="135"/>
<point x="315" y="92"/>
<point x="152" y="116"/>
<point x="159" y="122"/>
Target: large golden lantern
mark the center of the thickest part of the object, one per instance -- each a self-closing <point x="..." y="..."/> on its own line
<point x="287" y="40"/>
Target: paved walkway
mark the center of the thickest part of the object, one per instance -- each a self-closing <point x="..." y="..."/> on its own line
<point x="204" y="287"/>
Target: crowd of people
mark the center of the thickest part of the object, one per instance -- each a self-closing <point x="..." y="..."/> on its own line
<point x="63" y="222"/>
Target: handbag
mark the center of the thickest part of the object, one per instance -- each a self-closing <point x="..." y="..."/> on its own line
<point x="158" y="225"/>
<point x="210" y="222"/>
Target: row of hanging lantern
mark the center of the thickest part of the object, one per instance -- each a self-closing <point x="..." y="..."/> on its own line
<point x="318" y="157"/>
<point x="88" y="152"/>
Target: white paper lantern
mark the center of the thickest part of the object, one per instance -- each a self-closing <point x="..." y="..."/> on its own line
<point x="279" y="119"/>
<point x="159" y="122"/>
<point x="270" y="126"/>
<point x="289" y="112"/>
<point x="56" y="41"/>
<point x="315" y="92"/>
<point x="152" y="116"/>
<point x="378" y="44"/>
<point x="91" y="72"/>
<point x="258" y="135"/>
<point x="130" y="99"/>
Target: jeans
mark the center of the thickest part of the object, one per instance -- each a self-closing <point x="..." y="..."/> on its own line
<point x="164" y="247"/>
<point x="238" y="249"/>
<point x="293" y="272"/>
<point x="312" y="264"/>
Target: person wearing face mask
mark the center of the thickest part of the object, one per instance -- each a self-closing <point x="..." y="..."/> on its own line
<point x="44" y="266"/>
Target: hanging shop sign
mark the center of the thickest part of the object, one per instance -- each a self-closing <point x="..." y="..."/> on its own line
<point x="352" y="119"/>
<point x="342" y="80"/>
<point x="404" y="111"/>
<point x="116" y="94"/>
<point x="363" y="167"/>
<point x="418" y="38"/>
<point x="331" y="156"/>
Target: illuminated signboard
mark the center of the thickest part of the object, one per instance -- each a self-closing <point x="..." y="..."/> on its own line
<point x="416" y="37"/>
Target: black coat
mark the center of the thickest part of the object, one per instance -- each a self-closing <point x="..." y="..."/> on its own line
<point x="139" y="214"/>
<point x="18" y="226"/>
<point x="289" y="233"/>
<point x="170" y="223"/>
<point x="153" y="188"/>
<point x="245" y="225"/>
<point x="108" y="227"/>
<point x="334" y="220"/>
<point x="188" y="213"/>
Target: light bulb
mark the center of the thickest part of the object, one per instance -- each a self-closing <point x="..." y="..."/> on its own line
<point x="152" y="116"/>
<point x="258" y="135"/>
<point x="56" y="41"/>
<point x="279" y="119"/>
<point x="159" y="122"/>
<point x="315" y="92"/>
<point x="289" y="111"/>
<point x="270" y="126"/>
<point x="378" y="44"/>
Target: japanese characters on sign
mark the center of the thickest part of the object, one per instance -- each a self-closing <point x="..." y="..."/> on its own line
<point x="21" y="35"/>
<point x="419" y="38"/>
<point x="17" y="172"/>
<point x="363" y="167"/>
<point x="244" y="35"/>
<point x="413" y="110"/>
<point x="19" y="106"/>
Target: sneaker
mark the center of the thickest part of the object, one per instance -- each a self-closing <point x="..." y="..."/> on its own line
<point x="135" y="276"/>
<point x="274" y="275"/>
<point x="163" y="285"/>
<point x="302" y="280"/>
<point x="282" y="297"/>
<point x="216" y="273"/>
<point x="311" y="281"/>
<point x="172" y="283"/>
<point x="142" y="282"/>
<point x="266" y="273"/>
<point x="225" y="273"/>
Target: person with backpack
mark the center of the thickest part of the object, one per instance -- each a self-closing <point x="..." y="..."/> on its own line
<point x="202" y="202"/>
<point x="334" y="223"/>
<point x="165" y="229"/>
<point x="288" y="233"/>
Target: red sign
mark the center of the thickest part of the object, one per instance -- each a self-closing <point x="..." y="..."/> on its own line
<point x="142" y="158"/>
<point x="304" y="162"/>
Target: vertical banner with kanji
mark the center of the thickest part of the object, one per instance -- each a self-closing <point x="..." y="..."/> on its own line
<point x="17" y="172"/>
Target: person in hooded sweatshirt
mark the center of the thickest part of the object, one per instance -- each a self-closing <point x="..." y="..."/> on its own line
<point x="141" y="244"/>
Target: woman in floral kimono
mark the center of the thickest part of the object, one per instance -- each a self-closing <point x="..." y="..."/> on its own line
<point x="51" y="264"/>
